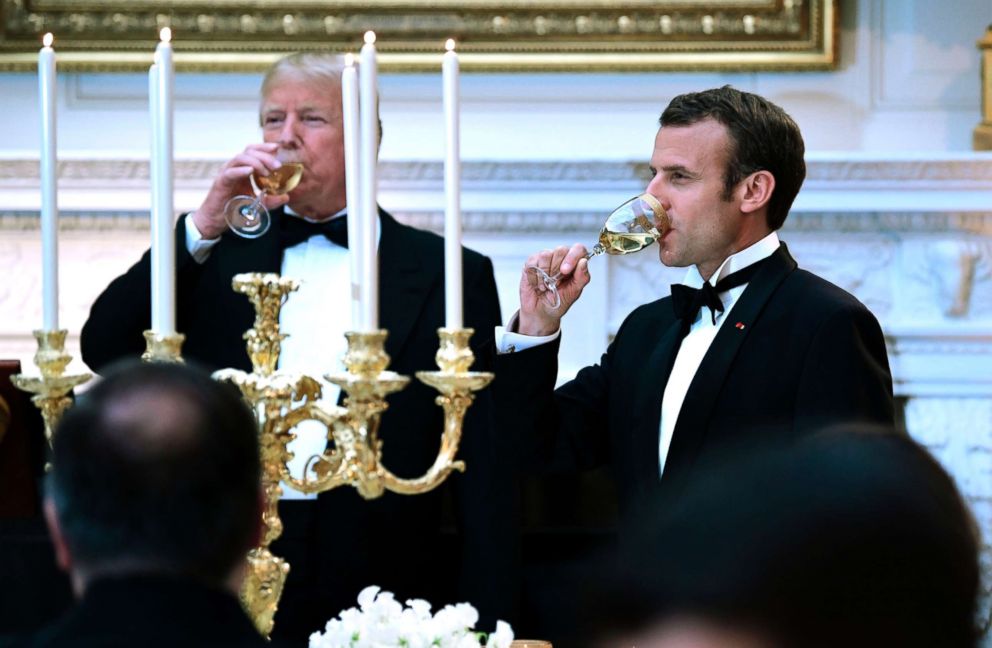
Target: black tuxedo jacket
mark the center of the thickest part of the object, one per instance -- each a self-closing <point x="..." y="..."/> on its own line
<point x="151" y="611"/>
<point x="796" y="354"/>
<point x="342" y="543"/>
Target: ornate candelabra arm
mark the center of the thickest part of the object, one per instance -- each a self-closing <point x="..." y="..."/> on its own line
<point x="455" y="383"/>
<point x="366" y="384"/>
<point x="52" y="388"/>
<point x="163" y="348"/>
<point x="327" y="465"/>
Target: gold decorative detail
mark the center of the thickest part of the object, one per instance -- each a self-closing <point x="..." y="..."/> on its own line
<point x="52" y="388"/>
<point x="267" y="293"/>
<point x="354" y="451"/>
<point x="493" y="35"/>
<point x="163" y="348"/>
<point x="262" y="588"/>
<point x="982" y="137"/>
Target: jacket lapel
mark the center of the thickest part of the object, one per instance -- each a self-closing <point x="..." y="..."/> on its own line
<point x="646" y="423"/>
<point x="261" y="254"/>
<point x="701" y="399"/>
<point x="406" y="276"/>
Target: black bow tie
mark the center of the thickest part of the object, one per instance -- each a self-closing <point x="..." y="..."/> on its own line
<point x="687" y="301"/>
<point x="293" y="230"/>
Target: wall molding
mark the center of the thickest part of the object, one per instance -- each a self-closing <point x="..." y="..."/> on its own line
<point x="961" y="169"/>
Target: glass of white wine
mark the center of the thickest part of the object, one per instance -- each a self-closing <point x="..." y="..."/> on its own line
<point x="246" y="215"/>
<point x="631" y="227"/>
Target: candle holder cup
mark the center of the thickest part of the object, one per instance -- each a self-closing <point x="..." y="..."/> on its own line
<point x="51" y="390"/>
<point x="163" y="347"/>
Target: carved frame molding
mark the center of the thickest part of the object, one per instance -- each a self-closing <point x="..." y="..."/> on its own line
<point x="493" y="35"/>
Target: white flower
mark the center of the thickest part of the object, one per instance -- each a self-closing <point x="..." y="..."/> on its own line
<point x="502" y="637"/>
<point x="381" y="622"/>
<point x="367" y="596"/>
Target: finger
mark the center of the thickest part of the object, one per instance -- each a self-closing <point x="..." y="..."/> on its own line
<point x="581" y="274"/>
<point x="572" y="257"/>
<point x="233" y="180"/>
<point x="557" y="256"/>
<point x="543" y="259"/>
<point x="261" y="162"/>
<point x="269" y="147"/>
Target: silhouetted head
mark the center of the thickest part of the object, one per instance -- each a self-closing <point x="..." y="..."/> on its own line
<point x="155" y="470"/>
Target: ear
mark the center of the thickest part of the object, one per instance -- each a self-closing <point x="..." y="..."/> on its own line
<point x="756" y="190"/>
<point x="62" y="556"/>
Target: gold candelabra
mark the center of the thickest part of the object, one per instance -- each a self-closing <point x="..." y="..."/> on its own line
<point x="354" y="452"/>
<point x="51" y="390"/>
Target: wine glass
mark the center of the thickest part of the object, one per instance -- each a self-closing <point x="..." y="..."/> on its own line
<point x="246" y="215"/>
<point x="631" y="227"/>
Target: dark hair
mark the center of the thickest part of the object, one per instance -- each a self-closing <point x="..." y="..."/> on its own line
<point x="850" y="538"/>
<point x="762" y="137"/>
<point x="157" y="468"/>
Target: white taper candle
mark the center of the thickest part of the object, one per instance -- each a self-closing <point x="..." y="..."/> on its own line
<point x="349" y="112"/>
<point x="49" y="199"/>
<point x="163" y="238"/>
<point x="368" y="156"/>
<point x="153" y="171"/>
<point x="452" y="192"/>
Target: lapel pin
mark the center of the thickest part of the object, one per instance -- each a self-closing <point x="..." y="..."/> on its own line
<point x="740" y="326"/>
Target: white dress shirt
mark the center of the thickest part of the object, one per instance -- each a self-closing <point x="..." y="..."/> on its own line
<point x="701" y="335"/>
<point x="694" y="346"/>
<point x="316" y="317"/>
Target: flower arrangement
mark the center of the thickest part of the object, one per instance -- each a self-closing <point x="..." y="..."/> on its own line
<point x="380" y="621"/>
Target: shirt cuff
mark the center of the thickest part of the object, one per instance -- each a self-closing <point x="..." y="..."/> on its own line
<point x="507" y="341"/>
<point x="197" y="246"/>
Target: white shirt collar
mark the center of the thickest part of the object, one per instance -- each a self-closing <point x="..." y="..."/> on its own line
<point x="748" y="256"/>
<point x="289" y="210"/>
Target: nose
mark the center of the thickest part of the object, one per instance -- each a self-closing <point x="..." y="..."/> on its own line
<point x="289" y="135"/>
<point x="656" y="189"/>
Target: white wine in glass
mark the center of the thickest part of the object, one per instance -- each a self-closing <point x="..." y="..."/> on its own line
<point x="246" y="215"/>
<point x="631" y="227"/>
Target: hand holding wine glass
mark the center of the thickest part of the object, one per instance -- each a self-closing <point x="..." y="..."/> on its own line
<point x="232" y="180"/>
<point x="540" y="315"/>
<point x="247" y="216"/>
<point x="553" y="280"/>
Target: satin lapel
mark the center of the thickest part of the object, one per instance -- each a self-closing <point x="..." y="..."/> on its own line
<point x="405" y="280"/>
<point x="700" y="401"/>
<point x="650" y="388"/>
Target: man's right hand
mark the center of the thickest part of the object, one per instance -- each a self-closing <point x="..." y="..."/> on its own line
<point x="537" y="317"/>
<point x="233" y="181"/>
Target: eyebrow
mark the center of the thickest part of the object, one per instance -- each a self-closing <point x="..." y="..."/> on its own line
<point x="669" y="168"/>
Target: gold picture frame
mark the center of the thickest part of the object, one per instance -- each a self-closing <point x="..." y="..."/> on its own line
<point x="492" y="35"/>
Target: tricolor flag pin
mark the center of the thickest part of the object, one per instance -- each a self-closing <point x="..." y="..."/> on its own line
<point x="740" y="325"/>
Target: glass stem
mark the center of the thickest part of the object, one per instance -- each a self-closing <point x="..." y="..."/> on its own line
<point x="251" y="211"/>
<point x="596" y="250"/>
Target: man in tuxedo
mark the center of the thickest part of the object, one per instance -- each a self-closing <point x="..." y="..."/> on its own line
<point x="339" y="543"/>
<point x="750" y="350"/>
<point x="154" y="499"/>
